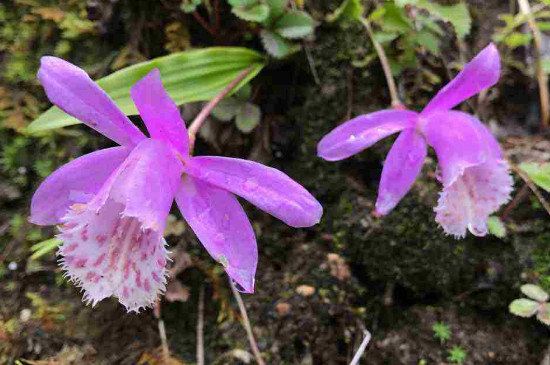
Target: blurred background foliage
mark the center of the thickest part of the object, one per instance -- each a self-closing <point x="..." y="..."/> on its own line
<point x="317" y="289"/>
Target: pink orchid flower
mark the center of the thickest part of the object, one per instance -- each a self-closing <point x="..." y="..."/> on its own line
<point x="112" y="204"/>
<point x="475" y="177"/>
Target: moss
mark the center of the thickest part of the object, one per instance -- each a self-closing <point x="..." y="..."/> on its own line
<point x="541" y="260"/>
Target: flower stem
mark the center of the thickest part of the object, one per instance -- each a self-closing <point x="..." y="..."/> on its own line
<point x="200" y="326"/>
<point x="395" y="102"/>
<point x="247" y="326"/>
<point x="541" y="74"/>
<point x="204" y="24"/>
<point x="162" y="334"/>
<point x="205" y="112"/>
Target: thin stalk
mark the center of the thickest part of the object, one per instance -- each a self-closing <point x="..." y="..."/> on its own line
<point x="200" y="327"/>
<point x="395" y="102"/>
<point x="246" y="324"/>
<point x="205" y="112"/>
<point x="217" y="10"/>
<point x="361" y="349"/>
<point x="541" y="75"/>
<point x="162" y="334"/>
<point x="203" y="23"/>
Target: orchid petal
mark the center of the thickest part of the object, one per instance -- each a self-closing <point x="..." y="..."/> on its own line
<point x="72" y="90"/>
<point x="113" y="245"/>
<point x="223" y="228"/>
<point x="362" y="132"/>
<point x="480" y="73"/>
<point x="76" y="182"/>
<point x="458" y="142"/>
<point x="402" y="166"/>
<point x="146" y="183"/>
<point x="160" y="114"/>
<point x="267" y="188"/>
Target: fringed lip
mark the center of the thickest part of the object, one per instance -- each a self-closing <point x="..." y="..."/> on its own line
<point x="472" y="197"/>
<point x="113" y="246"/>
<point x="109" y="254"/>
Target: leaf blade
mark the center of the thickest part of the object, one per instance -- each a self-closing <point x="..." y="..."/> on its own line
<point x="189" y="76"/>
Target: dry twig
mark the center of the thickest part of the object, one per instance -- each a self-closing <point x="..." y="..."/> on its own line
<point x="361" y="349"/>
<point x="541" y="75"/>
<point x="395" y="102"/>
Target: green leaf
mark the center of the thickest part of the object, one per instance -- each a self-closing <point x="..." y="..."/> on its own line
<point x="524" y="307"/>
<point x="378" y="13"/>
<point x="539" y="173"/>
<point x="402" y="3"/>
<point x="276" y="45"/>
<point x="196" y="75"/>
<point x="227" y="109"/>
<point x="442" y="331"/>
<point x="543" y="25"/>
<point x="42" y="248"/>
<point x="276" y="7"/>
<point x="544" y="314"/>
<point x="295" y="24"/>
<point x="243" y="93"/>
<point x="458" y="15"/>
<point x="534" y="292"/>
<point x="384" y="37"/>
<point x="248" y="117"/>
<point x="348" y="10"/>
<point x="395" y="20"/>
<point x="496" y="227"/>
<point x="428" y="40"/>
<point x="189" y="6"/>
<point x="431" y="25"/>
<point x="255" y="12"/>
<point x="517" y="39"/>
<point x="457" y="355"/>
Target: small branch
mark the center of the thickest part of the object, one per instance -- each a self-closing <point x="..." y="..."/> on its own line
<point x="541" y="75"/>
<point x="350" y="93"/>
<point x="203" y="23"/>
<point x="205" y="112"/>
<point x="162" y="333"/>
<point x="517" y="199"/>
<point x="361" y="349"/>
<point x="246" y="324"/>
<point x="532" y="186"/>
<point x="395" y="102"/>
<point x="311" y="63"/>
<point x="200" y="327"/>
<point x="217" y="11"/>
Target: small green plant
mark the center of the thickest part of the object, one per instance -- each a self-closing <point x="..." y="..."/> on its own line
<point x="246" y="115"/>
<point x="441" y="331"/>
<point x="280" y="24"/>
<point x="537" y="304"/>
<point x="457" y="355"/>
<point x="410" y="27"/>
<point x="512" y="35"/>
<point x="44" y="247"/>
